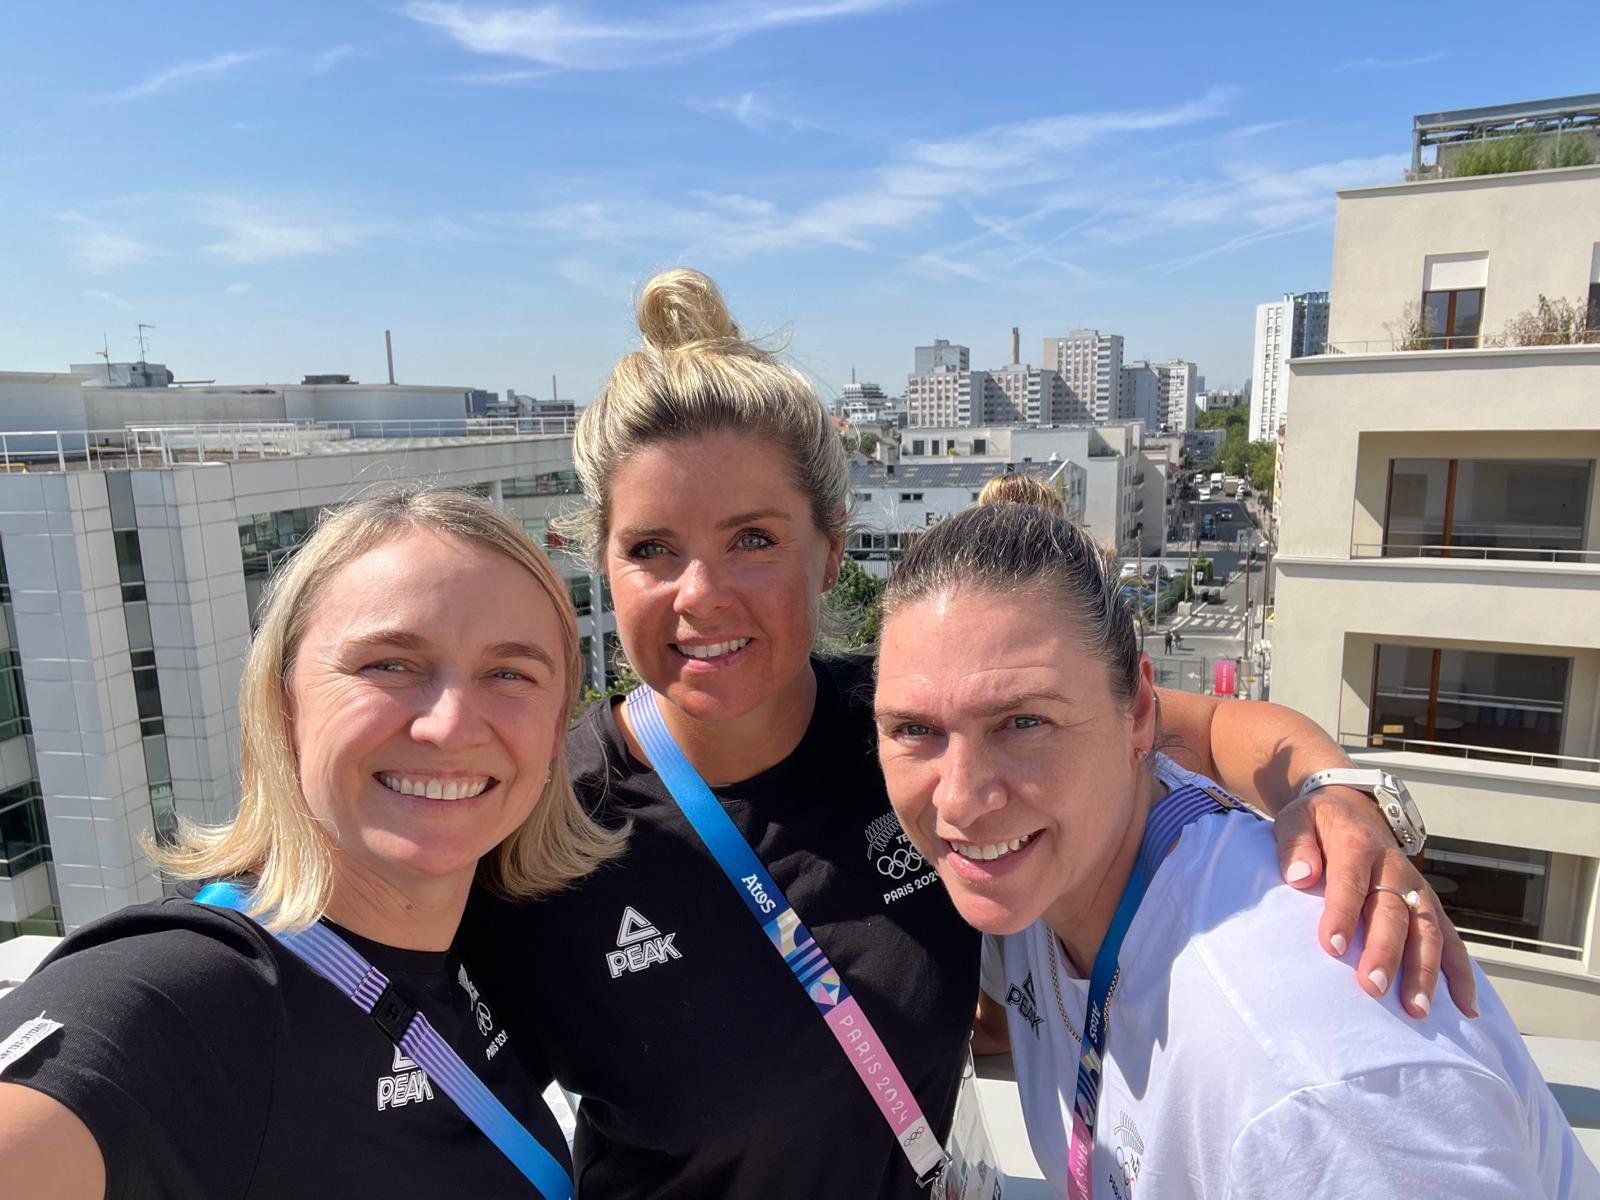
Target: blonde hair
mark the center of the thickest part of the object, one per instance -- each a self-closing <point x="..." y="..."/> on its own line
<point x="274" y="838"/>
<point x="698" y="375"/>
<point x="1016" y="488"/>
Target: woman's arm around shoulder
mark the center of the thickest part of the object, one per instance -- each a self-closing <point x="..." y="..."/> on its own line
<point x="1263" y="753"/>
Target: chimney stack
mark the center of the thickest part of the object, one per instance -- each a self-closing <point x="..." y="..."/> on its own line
<point x="388" y="347"/>
<point x="1016" y="346"/>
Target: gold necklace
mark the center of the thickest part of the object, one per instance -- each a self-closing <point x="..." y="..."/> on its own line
<point x="1055" y="982"/>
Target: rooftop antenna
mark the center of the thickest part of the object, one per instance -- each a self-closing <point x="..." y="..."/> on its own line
<point x="105" y="354"/>
<point x="555" y="396"/>
<point x="388" y="349"/>
<point x="142" y="341"/>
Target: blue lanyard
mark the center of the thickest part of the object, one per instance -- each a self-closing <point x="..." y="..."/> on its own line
<point x="1163" y="826"/>
<point x="765" y="901"/>
<point x="330" y="956"/>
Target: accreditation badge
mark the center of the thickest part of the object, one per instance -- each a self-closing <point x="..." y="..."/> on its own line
<point x="974" y="1171"/>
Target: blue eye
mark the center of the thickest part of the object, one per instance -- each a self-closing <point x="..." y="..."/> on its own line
<point x="1027" y="722"/>
<point x="755" y="539"/>
<point x="388" y="667"/>
<point x="914" y="729"/>
<point x="651" y="549"/>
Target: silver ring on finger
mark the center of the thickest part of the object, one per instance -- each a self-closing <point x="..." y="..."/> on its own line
<point x="1411" y="899"/>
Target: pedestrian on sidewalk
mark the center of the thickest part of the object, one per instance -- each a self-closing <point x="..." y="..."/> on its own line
<point x="1169" y="641"/>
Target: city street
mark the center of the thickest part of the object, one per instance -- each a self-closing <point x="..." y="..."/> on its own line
<point x="1211" y="630"/>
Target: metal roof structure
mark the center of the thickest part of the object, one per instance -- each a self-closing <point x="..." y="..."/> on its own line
<point x="1562" y="114"/>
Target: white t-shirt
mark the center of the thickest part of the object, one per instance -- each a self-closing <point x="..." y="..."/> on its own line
<point x="1242" y="1061"/>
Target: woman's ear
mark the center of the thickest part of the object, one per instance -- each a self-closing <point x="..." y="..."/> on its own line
<point x="1146" y="710"/>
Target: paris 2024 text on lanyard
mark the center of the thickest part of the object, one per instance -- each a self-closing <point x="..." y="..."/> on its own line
<point x="791" y="939"/>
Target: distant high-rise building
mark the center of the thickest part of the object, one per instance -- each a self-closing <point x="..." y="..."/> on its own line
<point x="1289" y="328"/>
<point x="1177" y="381"/>
<point x="1033" y="395"/>
<point x="1090" y="363"/>
<point x="1141" y="394"/>
<point x="942" y="354"/>
<point x="948" y="396"/>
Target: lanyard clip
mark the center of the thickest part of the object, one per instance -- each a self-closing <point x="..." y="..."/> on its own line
<point x="392" y="1014"/>
<point x="930" y="1178"/>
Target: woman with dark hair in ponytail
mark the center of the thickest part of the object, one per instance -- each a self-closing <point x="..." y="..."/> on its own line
<point x="1176" y="1034"/>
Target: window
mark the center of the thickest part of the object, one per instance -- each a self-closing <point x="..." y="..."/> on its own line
<point x="582" y="600"/>
<point x="1451" y="319"/>
<point x="935" y="445"/>
<point x="865" y="496"/>
<point x="1486" y="889"/>
<point x="23" y="841"/>
<point x="1507" y="707"/>
<point x="585" y="661"/>
<point x="1592" y="321"/>
<point x="911" y="497"/>
<point x="1486" y="508"/>
<point x="13" y="700"/>
<point x="980" y="445"/>
<point x="918" y="446"/>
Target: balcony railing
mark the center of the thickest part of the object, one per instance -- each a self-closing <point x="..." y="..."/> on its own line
<point x="1527" y="758"/>
<point x="150" y="446"/>
<point x="1478" y="553"/>
<point x="1513" y="942"/>
<point x="1405" y="342"/>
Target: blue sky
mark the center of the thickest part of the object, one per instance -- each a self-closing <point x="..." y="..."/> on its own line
<point x="273" y="185"/>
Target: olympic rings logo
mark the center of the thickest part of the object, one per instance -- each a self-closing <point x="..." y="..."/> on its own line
<point x="904" y="861"/>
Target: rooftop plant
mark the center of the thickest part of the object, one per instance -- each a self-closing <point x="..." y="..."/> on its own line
<point x="1521" y="151"/>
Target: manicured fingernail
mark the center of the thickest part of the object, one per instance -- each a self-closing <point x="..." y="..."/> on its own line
<point x="1420" y="1001"/>
<point x="1297" y="871"/>
<point x="1380" y="980"/>
<point x="1473" y="1012"/>
<point x="1339" y="943"/>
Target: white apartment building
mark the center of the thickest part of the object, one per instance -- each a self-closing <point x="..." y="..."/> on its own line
<point x="1175" y="394"/>
<point x="861" y="403"/>
<point x="1141" y="394"/>
<point x="1438" y="573"/>
<point x="130" y="564"/>
<point x="891" y="505"/>
<point x="947" y="396"/>
<point x="1122" y="501"/>
<point x="942" y="354"/>
<point x="1289" y="328"/>
<point x="1221" y="398"/>
<point x="1091" y="364"/>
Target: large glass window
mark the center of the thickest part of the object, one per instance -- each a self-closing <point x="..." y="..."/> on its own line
<point x="1506" y="707"/>
<point x="23" y="840"/>
<point x="1592" y="323"/>
<point x="548" y="483"/>
<point x="1524" y="509"/>
<point x="1495" y="890"/>
<point x="1451" y="319"/>
<point x="582" y="597"/>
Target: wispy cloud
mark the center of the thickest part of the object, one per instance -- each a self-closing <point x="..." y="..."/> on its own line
<point x="907" y="192"/>
<point x="327" y="60"/>
<point x="110" y="298"/>
<point x="1389" y="64"/>
<point x="752" y="111"/>
<point x="555" y="35"/>
<point x="98" y="248"/>
<point x="236" y="289"/>
<point x="254" y="231"/>
<point x="184" y="73"/>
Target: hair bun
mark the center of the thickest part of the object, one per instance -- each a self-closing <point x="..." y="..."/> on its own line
<point x="682" y="307"/>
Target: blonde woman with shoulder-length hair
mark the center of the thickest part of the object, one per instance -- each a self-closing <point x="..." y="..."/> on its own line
<point x="403" y="708"/>
<point x="274" y="838"/>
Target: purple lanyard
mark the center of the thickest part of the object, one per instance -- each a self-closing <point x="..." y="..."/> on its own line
<point x="330" y="956"/>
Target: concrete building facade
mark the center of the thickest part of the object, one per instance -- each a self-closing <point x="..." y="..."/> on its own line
<point x="1289" y="328"/>
<point x="1091" y="364"/>
<point x="1438" y="573"/>
<point x="127" y="593"/>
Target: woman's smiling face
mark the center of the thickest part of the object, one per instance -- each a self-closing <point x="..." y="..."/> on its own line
<point x="426" y="696"/>
<point x="1012" y="766"/>
<point x="717" y="569"/>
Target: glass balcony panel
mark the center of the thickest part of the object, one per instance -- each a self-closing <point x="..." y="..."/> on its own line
<point x="1520" y="508"/>
<point x="1417" y="491"/>
<point x="1490" y="889"/>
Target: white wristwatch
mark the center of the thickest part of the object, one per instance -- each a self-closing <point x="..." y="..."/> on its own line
<point x="1388" y="793"/>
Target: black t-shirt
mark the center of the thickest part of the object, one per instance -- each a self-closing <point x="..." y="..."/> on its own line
<point x="210" y="1062"/>
<point x="706" y="1071"/>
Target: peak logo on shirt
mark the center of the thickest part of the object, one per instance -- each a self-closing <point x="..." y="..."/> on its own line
<point x="639" y="945"/>
<point x="1022" y="999"/>
<point x="408" y="1083"/>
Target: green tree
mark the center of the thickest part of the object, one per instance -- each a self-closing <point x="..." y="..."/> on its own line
<point x="869" y="443"/>
<point x="853" y="601"/>
<point x="623" y="682"/>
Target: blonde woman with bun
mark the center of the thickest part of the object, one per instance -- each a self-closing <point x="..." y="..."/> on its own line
<point x="768" y="994"/>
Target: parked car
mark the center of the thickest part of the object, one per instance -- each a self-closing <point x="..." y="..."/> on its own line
<point x="1225" y="515"/>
